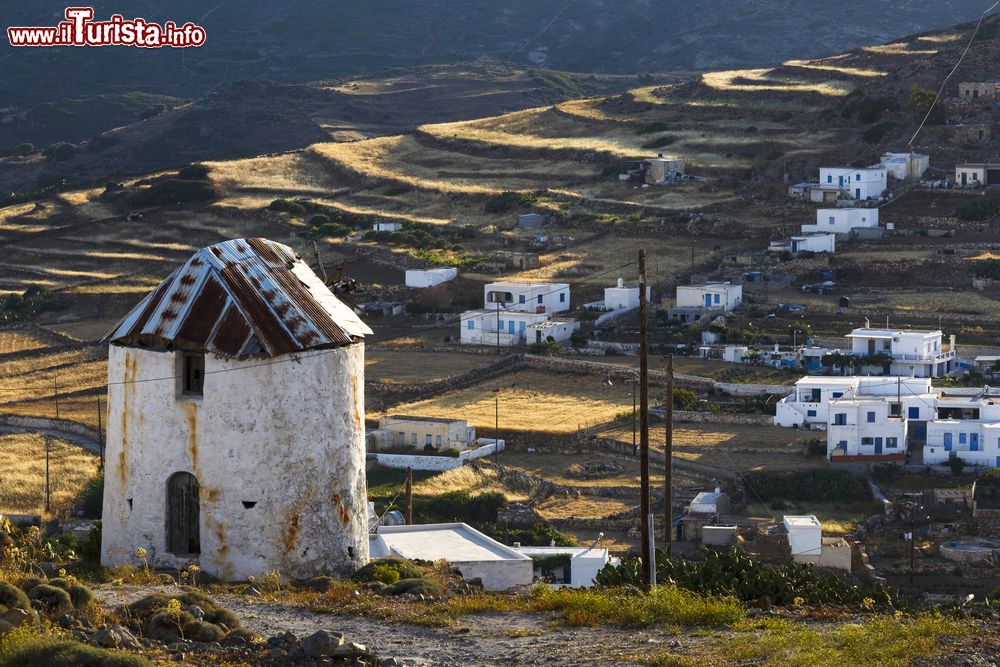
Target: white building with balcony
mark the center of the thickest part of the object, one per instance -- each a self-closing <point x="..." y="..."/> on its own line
<point x="807" y="243"/>
<point x="967" y="426"/>
<point x="866" y="426"/>
<point x="527" y="297"/>
<point x="846" y="182"/>
<point x="808" y="406"/>
<point x="842" y="220"/>
<point x="906" y="352"/>
<point x="506" y="328"/>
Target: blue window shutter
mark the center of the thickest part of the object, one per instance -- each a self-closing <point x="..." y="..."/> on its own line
<point x="913" y="413"/>
<point x="871" y="417"/>
<point x="520" y="298"/>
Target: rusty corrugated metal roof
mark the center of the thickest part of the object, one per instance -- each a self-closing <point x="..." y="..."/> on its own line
<point x="241" y="298"/>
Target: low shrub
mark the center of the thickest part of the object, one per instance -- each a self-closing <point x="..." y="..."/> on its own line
<point x="30" y="647"/>
<point x="60" y="151"/>
<point x="13" y="597"/>
<point x="626" y="607"/>
<point x="506" y="201"/>
<point x="90" y="500"/>
<point x="54" y="599"/>
<point x="984" y="208"/>
<point x="193" y="172"/>
<point x="658" y="126"/>
<point x="403" y="569"/>
<point x="385" y="574"/>
<point x="287" y="206"/>
<point x="818" y="485"/>
<point x="660" y="142"/>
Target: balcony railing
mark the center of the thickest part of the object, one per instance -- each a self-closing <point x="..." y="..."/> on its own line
<point x="932" y="358"/>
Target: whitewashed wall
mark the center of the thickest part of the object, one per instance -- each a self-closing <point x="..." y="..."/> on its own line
<point x="288" y="436"/>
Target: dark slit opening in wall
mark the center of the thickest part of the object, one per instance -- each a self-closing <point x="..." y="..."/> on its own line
<point x="249" y="504"/>
<point x="129" y="501"/>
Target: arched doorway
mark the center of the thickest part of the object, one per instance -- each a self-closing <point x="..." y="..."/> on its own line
<point x="183" y="535"/>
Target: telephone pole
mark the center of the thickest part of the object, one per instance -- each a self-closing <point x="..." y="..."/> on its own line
<point x="55" y="393"/>
<point x="668" y="465"/>
<point x="647" y="557"/>
<point x="47" y="487"/>
<point x="408" y="509"/>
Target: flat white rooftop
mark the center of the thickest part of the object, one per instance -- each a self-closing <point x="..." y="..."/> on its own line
<point x="575" y="552"/>
<point x="864" y="332"/>
<point x="807" y="520"/>
<point x="453" y="542"/>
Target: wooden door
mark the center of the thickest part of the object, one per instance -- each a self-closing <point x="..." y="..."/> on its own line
<point x="183" y="533"/>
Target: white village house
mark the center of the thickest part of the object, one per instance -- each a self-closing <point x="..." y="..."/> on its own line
<point x="711" y="296"/>
<point x="914" y="352"/>
<point x="978" y="175"/>
<point x="966" y="425"/>
<point x="235" y="431"/>
<point x="816" y="243"/>
<point x="422" y="278"/>
<point x="519" y="313"/>
<point x="842" y="220"/>
<point x="620" y="297"/>
<point x="421" y="432"/>
<point x="847" y="182"/>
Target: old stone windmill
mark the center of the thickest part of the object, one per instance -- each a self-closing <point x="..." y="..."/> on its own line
<point x="236" y="420"/>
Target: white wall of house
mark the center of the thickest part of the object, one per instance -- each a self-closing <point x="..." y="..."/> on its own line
<point x="272" y="434"/>
<point x="970" y="175"/>
<point x="438" y="433"/>
<point x="863" y="427"/>
<point x="916" y="353"/>
<point x="868" y="183"/>
<point x="905" y="165"/>
<point x="712" y="296"/>
<point x="527" y="297"/>
<point x="814" y="243"/>
<point x="479" y="327"/>
<point x="809" y="403"/>
<point x="621" y="297"/>
<point x="842" y="220"/>
<point x="584" y="564"/>
<point x="387" y="226"/>
<point x="421" y="278"/>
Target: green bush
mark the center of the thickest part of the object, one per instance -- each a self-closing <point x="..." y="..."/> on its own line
<point x="549" y="347"/>
<point x="54" y="599"/>
<point x="984" y="208"/>
<point x="819" y="485"/>
<point x="506" y="201"/>
<point x="402" y="568"/>
<point x="60" y="151"/>
<point x="193" y="172"/>
<point x="79" y="595"/>
<point x="537" y="535"/>
<point x="685" y="399"/>
<point x="734" y="574"/>
<point x="460" y="506"/>
<point x="287" y="206"/>
<point x="956" y="464"/>
<point x="886" y="472"/>
<point x="13" y="597"/>
<point x="385" y="573"/>
<point x="153" y="111"/>
<point x="26" y="647"/>
<point x="90" y="501"/>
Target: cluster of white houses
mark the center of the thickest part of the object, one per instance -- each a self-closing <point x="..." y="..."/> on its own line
<point x="882" y="418"/>
<point x="519" y="313"/>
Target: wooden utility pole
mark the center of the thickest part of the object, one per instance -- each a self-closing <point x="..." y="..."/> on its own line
<point x="644" y="514"/>
<point x="100" y="433"/>
<point x="668" y="465"/>
<point x="319" y="263"/>
<point x="55" y="392"/>
<point x="408" y="512"/>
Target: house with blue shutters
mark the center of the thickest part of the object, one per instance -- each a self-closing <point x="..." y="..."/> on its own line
<point x="519" y="313"/>
<point x="966" y="425"/>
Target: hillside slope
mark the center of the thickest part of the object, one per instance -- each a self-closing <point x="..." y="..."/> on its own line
<point x="312" y="39"/>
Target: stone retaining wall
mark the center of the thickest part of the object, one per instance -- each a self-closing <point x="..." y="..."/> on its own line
<point x="393" y="394"/>
<point x="41" y="423"/>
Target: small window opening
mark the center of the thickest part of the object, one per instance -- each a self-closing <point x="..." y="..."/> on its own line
<point x="249" y="504"/>
<point x="193" y="375"/>
<point x="129" y="501"/>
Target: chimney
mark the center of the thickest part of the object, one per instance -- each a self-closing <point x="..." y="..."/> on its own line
<point x="621" y="283"/>
<point x="951" y="343"/>
<point x="776" y="350"/>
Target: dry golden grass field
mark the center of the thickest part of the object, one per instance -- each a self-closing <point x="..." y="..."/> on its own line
<point x="22" y="473"/>
<point x="27" y="386"/>
<point x="555" y="468"/>
<point x="530" y="400"/>
<point x="468" y="479"/>
<point x="406" y="366"/>
<point x="18" y="341"/>
<point x="734" y="447"/>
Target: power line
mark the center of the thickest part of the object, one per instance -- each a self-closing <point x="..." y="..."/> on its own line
<point x="953" y="70"/>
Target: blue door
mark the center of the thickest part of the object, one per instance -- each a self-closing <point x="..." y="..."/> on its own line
<point x="878" y="445"/>
<point x="521" y="330"/>
<point x="998" y="462"/>
<point x="919" y="430"/>
<point x="857" y="193"/>
<point x="708" y="300"/>
<point x="840" y="181"/>
<point x="973" y="442"/>
<point x="510" y="327"/>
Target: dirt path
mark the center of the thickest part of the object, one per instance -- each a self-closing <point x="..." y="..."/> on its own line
<point x="480" y="640"/>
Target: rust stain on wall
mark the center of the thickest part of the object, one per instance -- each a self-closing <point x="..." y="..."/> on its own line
<point x="128" y="380"/>
<point x="192" y="421"/>
<point x="345" y="517"/>
<point x="291" y="534"/>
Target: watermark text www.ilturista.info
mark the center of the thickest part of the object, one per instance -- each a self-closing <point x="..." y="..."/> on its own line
<point x="80" y="29"/>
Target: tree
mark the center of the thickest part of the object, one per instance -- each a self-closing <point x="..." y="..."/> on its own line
<point x="60" y="151"/>
<point x="920" y="101"/>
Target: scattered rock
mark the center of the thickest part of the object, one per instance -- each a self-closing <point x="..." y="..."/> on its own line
<point x="196" y="611"/>
<point x="323" y="643"/>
